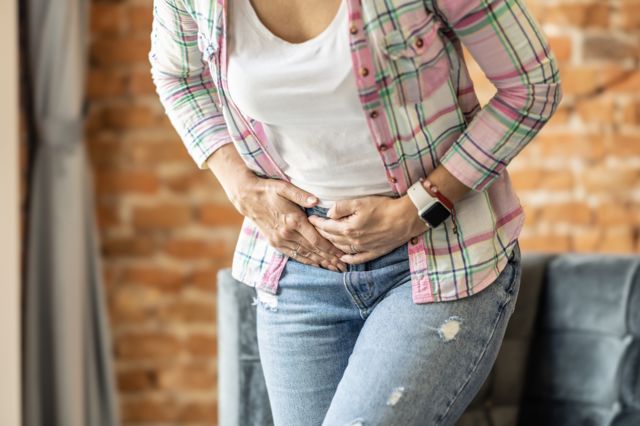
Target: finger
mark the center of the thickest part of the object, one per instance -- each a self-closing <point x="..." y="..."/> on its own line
<point x="310" y="233"/>
<point x="296" y="195"/>
<point x="330" y="226"/>
<point x="357" y="258"/>
<point x="305" y="254"/>
<point x="338" y="241"/>
<point x="311" y="249"/>
<point x="342" y="208"/>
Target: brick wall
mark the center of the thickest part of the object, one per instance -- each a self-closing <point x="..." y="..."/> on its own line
<point x="167" y="227"/>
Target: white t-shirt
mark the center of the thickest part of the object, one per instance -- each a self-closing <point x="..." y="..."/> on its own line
<point x="306" y="96"/>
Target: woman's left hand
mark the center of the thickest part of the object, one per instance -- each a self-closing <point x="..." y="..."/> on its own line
<point x="371" y="226"/>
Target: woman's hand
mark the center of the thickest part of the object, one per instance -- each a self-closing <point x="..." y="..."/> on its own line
<point x="371" y="226"/>
<point x="275" y="207"/>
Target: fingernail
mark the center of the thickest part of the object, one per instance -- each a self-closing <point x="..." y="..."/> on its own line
<point x="311" y="199"/>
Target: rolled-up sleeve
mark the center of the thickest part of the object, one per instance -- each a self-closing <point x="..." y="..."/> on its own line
<point x="183" y="81"/>
<point x="509" y="46"/>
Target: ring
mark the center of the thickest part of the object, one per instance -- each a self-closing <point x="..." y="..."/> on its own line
<point x="294" y="253"/>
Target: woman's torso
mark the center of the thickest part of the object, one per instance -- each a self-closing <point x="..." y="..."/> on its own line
<point x="422" y="110"/>
<point x="306" y="96"/>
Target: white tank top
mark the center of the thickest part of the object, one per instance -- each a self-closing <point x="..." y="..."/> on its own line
<point x="306" y="96"/>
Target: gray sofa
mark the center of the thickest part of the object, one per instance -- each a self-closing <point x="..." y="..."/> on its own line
<point x="571" y="354"/>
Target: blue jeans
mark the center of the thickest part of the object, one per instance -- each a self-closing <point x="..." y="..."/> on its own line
<point x="351" y="348"/>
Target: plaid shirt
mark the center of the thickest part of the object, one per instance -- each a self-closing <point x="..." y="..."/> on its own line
<point x="421" y="109"/>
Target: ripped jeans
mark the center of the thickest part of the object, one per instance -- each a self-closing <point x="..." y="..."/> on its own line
<point x="351" y="348"/>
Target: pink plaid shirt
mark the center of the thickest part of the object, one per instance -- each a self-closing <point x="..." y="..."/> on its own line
<point x="421" y="109"/>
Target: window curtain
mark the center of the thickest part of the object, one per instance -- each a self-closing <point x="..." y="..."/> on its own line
<point x="67" y="357"/>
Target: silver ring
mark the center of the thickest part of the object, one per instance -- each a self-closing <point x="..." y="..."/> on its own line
<point x="294" y="253"/>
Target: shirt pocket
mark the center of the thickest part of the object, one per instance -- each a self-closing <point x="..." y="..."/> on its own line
<point x="414" y="58"/>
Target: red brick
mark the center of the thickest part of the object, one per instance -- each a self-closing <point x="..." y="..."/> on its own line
<point x="524" y="179"/>
<point x="631" y="113"/>
<point x="216" y="214"/>
<point x="190" y="312"/>
<point x="127" y="246"/>
<point x="561" y="47"/>
<point x="616" y="181"/>
<point x="557" y="180"/>
<point x="154" y="276"/>
<point x="107" y="17"/>
<point x="575" y="213"/>
<point x="107" y="216"/>
<point x="121" y="117"/>
<point x="586" y="240"/>
<point x="599" y="110"/>
<point x="150" y="409"/>
<point x="580" y="15"/>
<point x="206" y="412"/>
<point x="571" y="145"/>
<point x="163" y="152"/>
<point x="205" y="278"/>
<point x="621" y="80"/>
<point x="198" y="249"/>
<point x="140" y="18"/>
<point x="201" y="345"/>
<point x="630" y="15"/>
<point x="129" y="303"/>
<point x="552" y="243"/>
<point x="125" y="181"/>
<point x="618" y="241"/>
<point x="163" y="216"/>
<point x="193" y="179"/>
<point x="140" y="83"/>
<point x="625" y="146"/>
<point x="580" y="79"/>
<point x="608" y="47"/>
<point x="125" y="50"/>
<point x="147" y="346"/>
<point x="106" y="83"/>
<point x="189" y="377"/>
<point x="614" y="214"/>
<point x="136" y="381"/>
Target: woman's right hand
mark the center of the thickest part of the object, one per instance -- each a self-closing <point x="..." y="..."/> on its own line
<point x="275" y="207"/>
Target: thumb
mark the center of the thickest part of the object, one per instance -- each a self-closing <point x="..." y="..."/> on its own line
<point x="298" y="195"/>
<point x="342" y="208"/>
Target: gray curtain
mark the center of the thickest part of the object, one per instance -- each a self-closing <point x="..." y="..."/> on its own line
<point x="68" y="376"/>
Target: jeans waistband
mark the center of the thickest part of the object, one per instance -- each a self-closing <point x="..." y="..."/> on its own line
<point x="316" y="210"/>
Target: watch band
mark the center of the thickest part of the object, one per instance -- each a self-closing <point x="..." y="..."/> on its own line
<point x="421" y="198"/>
<point x="433" y="190"/>
<point x="424" y="195"/>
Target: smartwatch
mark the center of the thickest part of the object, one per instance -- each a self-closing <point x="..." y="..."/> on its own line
<point x="430" y="209"/>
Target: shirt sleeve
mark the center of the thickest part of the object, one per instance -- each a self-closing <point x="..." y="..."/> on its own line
<point x="183" y="81"/>
<point x="510" y="48"/>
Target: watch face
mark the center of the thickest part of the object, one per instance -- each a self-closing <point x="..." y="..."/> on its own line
<point x="435" y="214"/>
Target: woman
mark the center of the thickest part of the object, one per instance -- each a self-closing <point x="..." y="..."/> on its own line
<point x="381" y="226"/>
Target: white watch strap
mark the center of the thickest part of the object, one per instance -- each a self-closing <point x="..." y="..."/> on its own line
<point x="420" y="197"/>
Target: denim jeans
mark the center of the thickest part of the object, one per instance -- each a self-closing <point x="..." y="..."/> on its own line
<point x="351" y="348"/>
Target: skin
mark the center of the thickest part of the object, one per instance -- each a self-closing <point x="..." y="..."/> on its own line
<point x="373" y="225"/>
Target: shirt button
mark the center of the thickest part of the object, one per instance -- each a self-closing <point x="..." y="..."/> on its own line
<point x="393" y="179"/>
<point x="373" y="114"/>
<point x="383" y="147"/>
<point x="364" y="71"/>
<point x="354" y="29"/>
<point x="414" y="240"/>
<point x="419" y="42"/>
